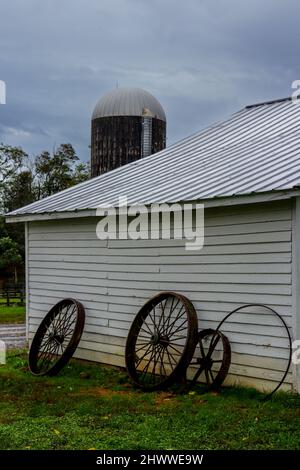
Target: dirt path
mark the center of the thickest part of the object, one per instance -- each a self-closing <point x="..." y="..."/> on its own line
<point x="14" y="335"/>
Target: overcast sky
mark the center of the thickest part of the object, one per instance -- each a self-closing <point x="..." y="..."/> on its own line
<point x="202" y="59"/>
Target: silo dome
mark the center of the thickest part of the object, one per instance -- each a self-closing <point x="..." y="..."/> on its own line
<point x="129" y="102"/>
<point x="127" y="124"/>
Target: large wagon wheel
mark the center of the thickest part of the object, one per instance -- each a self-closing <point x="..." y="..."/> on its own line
<point x="57" y="338"/>
<point x="213" y="358"/>
<point x="161" y="341"/>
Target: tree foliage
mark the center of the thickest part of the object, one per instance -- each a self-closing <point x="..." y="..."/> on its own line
<point x="59" y="171"/>
<point x="20" y="191"/>
<point x="11" y="160"/>
<point x="9" y="253"/>
<point x="23" y="181"/>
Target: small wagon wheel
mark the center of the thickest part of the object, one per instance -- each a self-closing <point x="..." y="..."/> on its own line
<point x="161" y="341"/>
<point x="214" y="358"/>
<point x="57" y="338"/>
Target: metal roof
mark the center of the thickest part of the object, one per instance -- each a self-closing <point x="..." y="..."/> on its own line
<point x="256" y="150"/>
<point x="128" y="102"/>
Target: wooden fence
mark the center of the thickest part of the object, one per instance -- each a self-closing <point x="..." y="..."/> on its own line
<point x="12" y="294"/>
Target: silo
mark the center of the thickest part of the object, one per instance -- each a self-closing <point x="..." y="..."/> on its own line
<point x="127" y="124"/>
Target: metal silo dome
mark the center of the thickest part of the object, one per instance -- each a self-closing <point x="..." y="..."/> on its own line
<point x="127" y="124"/>
<point x="129" y="102"/>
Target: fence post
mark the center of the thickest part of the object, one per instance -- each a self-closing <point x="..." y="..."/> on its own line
<point x="7" y="298"/>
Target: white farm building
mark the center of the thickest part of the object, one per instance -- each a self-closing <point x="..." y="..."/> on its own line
<point x="246" y="171"/>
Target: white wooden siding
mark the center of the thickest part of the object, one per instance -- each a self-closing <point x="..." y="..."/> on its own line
<point x="246" y="259"/>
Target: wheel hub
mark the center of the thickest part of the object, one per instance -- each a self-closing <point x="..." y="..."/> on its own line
<point x="157" y="338"/>
<point x="56" y="337"/>
<point x="205" y="362"/>
<point x="164" y="341"/>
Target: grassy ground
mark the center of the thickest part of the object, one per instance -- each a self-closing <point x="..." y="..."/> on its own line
<point x="12" y="314"/>
<point x="90" y="406"/>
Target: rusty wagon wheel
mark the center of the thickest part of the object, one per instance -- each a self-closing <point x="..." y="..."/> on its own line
<point x="213" y="358"/>
<point x="161" y="341"/>
<point x="57" y="337"/>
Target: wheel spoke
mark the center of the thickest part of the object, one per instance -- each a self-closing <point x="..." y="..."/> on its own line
<point x="46" y="358"/>
<point x="67" y="320"/>
<point x="155" y="359"/>
<point x="196" y="376"/>
<point x="179" y="315"/>
<point x="69" y="327"/>
<point x="178" y="338"/>
<point x="175" y="349"/>
<point x="206" y="376"/>
<point x="145" y="370"/>
<point x="202" y="351"/>
<point x="213" y="345"/>
<point x="170" y="362"/>
<point x="144" y="355"/>
<point x="163" y="371"/>
<point x="172" y="356"/>
<point x="170" y="314"/>
<point x="179" y="328"/>
<point x="141" y="347"/>
<point x="162" y="317"/>
<point x="142" y="329"/>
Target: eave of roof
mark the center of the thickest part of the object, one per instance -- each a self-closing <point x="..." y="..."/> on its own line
<point x="253" y="198"/>
<point x="256" y="151"/>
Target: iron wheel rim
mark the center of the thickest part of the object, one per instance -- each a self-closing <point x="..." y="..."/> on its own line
<point x="208" y="360"/>
<point x="57" y="338"/>
<point x="160" y="355"/>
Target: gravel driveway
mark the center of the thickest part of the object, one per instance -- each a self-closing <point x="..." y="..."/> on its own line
<point x="14" y="335"/>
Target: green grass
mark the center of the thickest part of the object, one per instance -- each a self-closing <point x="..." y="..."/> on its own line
<point x="12" y="314"/>
<point x="91" y="406"/>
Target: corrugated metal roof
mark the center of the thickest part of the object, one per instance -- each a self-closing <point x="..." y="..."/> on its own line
<point x="128" y="102"/>
<point x="256" y="150"/>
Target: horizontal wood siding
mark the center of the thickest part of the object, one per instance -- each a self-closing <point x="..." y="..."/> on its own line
<point x="246" y="259"/>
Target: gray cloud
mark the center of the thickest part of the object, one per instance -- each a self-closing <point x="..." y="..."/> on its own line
<point x="203" y="59"/>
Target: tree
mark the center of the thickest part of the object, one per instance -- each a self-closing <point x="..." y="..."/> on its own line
<point x="23" y="182"/>
<point x="81" y="173"/>
<point x="20" y="191"/>
<point x="10" y="256"/>
<point x="16" y="190"/>
<point x="11" y="161"/>
<point x="58" y="171"/>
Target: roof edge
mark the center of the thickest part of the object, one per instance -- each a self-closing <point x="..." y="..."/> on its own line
<point x="278" y="100"/>
<point x="234" y="200"/>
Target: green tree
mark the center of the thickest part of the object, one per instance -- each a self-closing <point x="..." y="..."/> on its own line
<point x="20" y="191"/>
<point x="81" y="173"/>
<point x="11" y="161"/>
<point x="59" y="170"/>
<point x="16" y="190"/>
<point x="23" y="182"/>
<point x="10" y="256"/>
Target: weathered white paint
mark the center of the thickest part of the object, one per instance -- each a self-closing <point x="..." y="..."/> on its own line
<point x="27" y="278"/>
<point x="247" y="258"/>
<point x="296" y="283"/>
